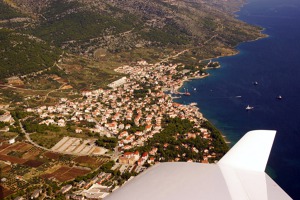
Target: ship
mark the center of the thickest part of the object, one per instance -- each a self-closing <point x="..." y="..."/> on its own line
<point x="249" y="108"/>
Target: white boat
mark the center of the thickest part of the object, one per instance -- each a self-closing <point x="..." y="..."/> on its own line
<point x="279" y="97"/>
<point x="193" y="104"/>
<point x="249" y="107"/>
<point x="238" y="96"/>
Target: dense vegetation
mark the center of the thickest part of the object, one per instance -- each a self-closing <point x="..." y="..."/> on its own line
<point x="167" y="36"/>
<point x="106" y="142"/>
<point x="140" y="93"/>
<point x="20" y="54"/>
<point x="218" y="141"/>
<point x="6" y="12"/>
<point x="173" y="141"/>
<point x="31" y="125"/>
<point x="79" y="26"/>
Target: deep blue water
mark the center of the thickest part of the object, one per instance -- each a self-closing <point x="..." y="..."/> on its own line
<point x="273" y="62"/>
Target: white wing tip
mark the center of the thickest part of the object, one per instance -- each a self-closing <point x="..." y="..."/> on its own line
<point x="251" y="152"/>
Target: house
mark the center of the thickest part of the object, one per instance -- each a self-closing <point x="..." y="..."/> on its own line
<point x="121" y="126"/>
<point x="75" y="197"/>
<point x="121" y="143"/>
<point x="13" y="140"/>
<point x="48" y="121"/>
<point x="86" y="93"/>
<point x="127" y="147"/>
<point x="66" y="189"/>
<point x="136" y="155"/>
<point x="151" y="160"/>
<point x="145" y="156"/>
<point x="126" y="160"/>
<point x="7" y="118"/>
<point x="148" y="128"/>
<point x="128" y="154"/>
<point x="139" y="133"/>
<point x="123" y="160"/>
<point x="157" y="127"/>
<point x="81" y="184"/>
<point x="36" y="193"/>
<point x="129" y="139"/>
<point x="19" y="198"/>
<point x="140" y="162"/>
<point x="191" y="135"/>
<point x="127" y="126"/>
<point x="205" y="160"/>
<point x="195" y="150"/>
<point x="78" y="130"/>
<point x="95" y="192"/>
<point x="149" y="118"/>
<point x="112" y="126"/>
<point x="153" y="151"/>
<point x="123" y="134"/>
<point x="131" y="161"/>
<point x="61" y="123"/>
<point x="4" y="106"/>
<point x="29" y="110"/>
<point x="118" y="83"/>
<point x="143" y="159"/>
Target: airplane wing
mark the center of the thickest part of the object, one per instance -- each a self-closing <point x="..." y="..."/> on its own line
<point x="239" y="175"/>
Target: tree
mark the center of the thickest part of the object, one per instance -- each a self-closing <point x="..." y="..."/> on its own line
<point x="106" y="142"/>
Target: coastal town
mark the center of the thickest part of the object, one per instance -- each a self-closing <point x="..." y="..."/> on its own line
<point x="124" y="124"/>
<point x="109" y="99"/>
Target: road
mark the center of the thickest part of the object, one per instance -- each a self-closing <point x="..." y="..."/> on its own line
<point x="29" y="139"/>
<point x="172" y="56"/>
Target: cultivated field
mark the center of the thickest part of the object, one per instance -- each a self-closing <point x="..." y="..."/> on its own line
<point x="66" y="173"/>
<point x="23" y="164"/>
<point x="89" y="161"/>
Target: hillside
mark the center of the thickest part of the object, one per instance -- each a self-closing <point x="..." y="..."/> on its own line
<point x="21" y="53"/>
<point x="87" y="27"/>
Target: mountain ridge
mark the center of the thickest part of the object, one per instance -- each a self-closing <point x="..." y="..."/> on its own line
<point x="83" y="27"/>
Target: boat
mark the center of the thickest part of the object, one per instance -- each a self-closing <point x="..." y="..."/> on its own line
<point x="238" y="96"/>
<point x="193" y="104"/>
<point x="195" y="89"/>
<point x="279" y="97"/>
<point x="176" y="97"/>
<point x="186" y="92"/>
<point x="249" y="108"/>
<point x="255" y="83"/>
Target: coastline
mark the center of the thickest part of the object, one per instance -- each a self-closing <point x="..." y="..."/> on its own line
<point x="262" y="60"/>
<point x="236" y="52"/>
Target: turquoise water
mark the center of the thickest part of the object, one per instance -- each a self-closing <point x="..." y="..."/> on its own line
<point x="274" y="63"/>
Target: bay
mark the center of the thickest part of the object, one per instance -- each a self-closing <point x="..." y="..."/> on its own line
<point x="274" y="63"/>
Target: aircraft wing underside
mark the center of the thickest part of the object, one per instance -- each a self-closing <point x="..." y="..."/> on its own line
<point x="238" y="175"/>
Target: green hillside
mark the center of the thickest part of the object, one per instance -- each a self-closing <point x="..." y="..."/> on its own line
<point x="82" y="27"/>
<point x="20" y="54"/>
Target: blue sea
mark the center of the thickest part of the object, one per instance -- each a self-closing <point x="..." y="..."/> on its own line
<point x="274" y="62"/>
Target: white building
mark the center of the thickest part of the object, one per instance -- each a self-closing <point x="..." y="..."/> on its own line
<point x="95" y="192"/>
<point x="118" y="83"/>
